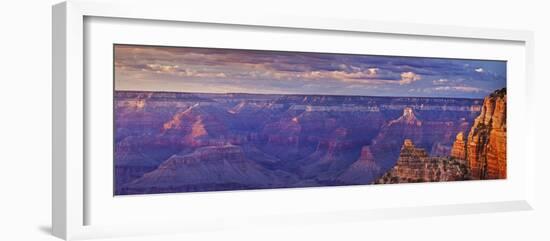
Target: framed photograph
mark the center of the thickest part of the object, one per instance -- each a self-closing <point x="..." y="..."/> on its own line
<point x="175" y="120"/>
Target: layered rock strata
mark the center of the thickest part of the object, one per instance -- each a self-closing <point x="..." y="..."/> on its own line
<point x="486" y="148"/>
<point x="415" y="165"/>
<point x="459" y="147"/>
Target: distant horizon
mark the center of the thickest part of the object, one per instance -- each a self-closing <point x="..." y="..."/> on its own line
<point x="216" y="70"/>
<point x="300" y="94"/>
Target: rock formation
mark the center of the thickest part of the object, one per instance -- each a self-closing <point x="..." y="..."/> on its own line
<point x="385" y="146"/>
<point x="407" y="118"/>
<point x="415" y="165"/>
<point x="486" y="149"/>
<point x="459" y="147"/>
<point x="364" y="170"/>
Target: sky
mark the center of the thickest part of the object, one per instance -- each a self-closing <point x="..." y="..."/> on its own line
<point x="210" y="70"/>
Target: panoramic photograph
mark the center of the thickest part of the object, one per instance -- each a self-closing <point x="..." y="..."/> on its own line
<point x="189" y="119"/>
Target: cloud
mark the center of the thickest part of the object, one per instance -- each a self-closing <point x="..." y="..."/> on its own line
<point x="409" y="78"/>
<point x="344" y="76"/>
<point x="160" y="68"/>
<point x="373" y="71"/>
<point x="467" y="89"/>
<point x="440" y="81"/>
<point x="291" y="71"/>
<point x="197" y="74"/>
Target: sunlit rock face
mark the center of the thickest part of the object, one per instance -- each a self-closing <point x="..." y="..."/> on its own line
<point x="486" y="148"/>
<point x="187" y="142"/>
<point x="415" y="165"/>
<point x="408" y="117"/>
<point x="459" y="147"/>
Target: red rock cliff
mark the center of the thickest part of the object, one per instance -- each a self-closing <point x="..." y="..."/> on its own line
<point x="459" y="147"/>
<point x="486" y="147"/>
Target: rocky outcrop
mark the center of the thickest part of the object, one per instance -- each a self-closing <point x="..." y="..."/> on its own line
<point x="364" y="170"/>
<point x="385" y="145"/>
<point x="415" y="165"/>
<point x="407" y="118"/>
<point x="426" y="129"/>
<point x="459" y="147"/>
<point x="486" y="148"/>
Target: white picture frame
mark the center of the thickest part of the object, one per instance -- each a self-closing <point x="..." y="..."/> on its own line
<point x="71" y="188"/>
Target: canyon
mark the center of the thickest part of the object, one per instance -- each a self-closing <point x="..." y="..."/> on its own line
<point x="191" y="142"/>
<point x="480" y="156"/>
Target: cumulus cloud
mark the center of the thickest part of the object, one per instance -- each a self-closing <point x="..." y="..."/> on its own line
<point x="409" y="78"/>
<point x="372" y="71"/>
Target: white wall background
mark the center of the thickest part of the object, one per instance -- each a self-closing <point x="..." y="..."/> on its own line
<point x="25" y="119"/>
